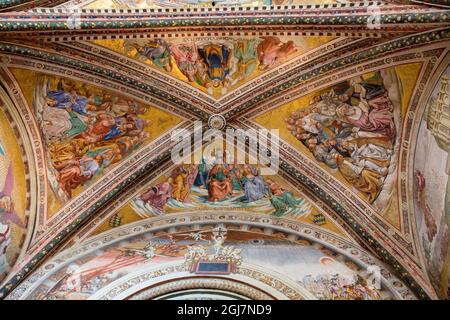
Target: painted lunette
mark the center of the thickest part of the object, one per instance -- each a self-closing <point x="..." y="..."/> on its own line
<point x="241" y="220"/>
<point x="22" y="214"/>
<point x="36" y="150"/>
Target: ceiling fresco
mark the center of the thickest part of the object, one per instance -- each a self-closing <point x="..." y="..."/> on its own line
<point x="210" y="187"/>
<point x="216" y="65"/>
<point x="363" y="123"/>
<point x="351" y="129"/>
<point x="14" y="203"/>
<point x="87" y="130"/>
<point x="431" y="178"/>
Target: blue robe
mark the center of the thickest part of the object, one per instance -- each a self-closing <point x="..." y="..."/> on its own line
<point x="115" y="130"/>
<point x="64" y="100"/>
<point x="202" y="176"/>
<point x="216" y="61"/>
<point x="254" y="188"/>
<point x="113" y="133"/>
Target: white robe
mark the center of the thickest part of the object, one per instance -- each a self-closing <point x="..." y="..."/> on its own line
<point x="5" y="240"/>
<point x="56" y="121"/>
<point x="371" y="151"/>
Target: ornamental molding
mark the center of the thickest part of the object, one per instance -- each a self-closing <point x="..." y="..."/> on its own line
<point x="251" y="281"/>
<point x="176" y="285"/>
<point x="344" y="18"/>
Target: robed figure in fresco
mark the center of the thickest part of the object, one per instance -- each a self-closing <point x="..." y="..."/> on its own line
<point x="281" y="199"/>
<point x="74" y="172"/>
<point x="215" y="184"/>
<point x="218" y="60"/>
<point x="374" y="116"/>
<point x="272" y="51"/>
<point x="157" y="196"/>
<point x="182" y="180"/>
<point x="8" y="216"/>
<point x="351" y="129"/>
<point x="201" y="180"/>
<point x="86" y="130"/>
<point x="189" y="61"/>
<point x="253" y="182"/>
<point x="247" y="58"/>
<point x="157" y="51"/>
<point x="219" y="186"/>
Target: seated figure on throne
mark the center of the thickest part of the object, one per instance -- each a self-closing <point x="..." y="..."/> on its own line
<point x="218" y="60"/>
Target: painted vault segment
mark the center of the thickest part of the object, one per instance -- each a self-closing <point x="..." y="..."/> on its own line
<point x="352" y="130"/>
<point x="87" y="130"/>
<point x="14" y="202"/>
<point x="431" y="191"/>
<point x="211" y="187"/>
<point x="216" y="65"/>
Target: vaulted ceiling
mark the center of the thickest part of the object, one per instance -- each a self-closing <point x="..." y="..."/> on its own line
<point x="281" y="57"/>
